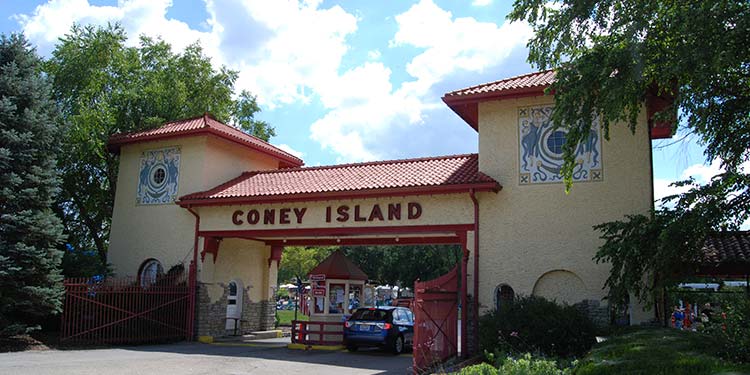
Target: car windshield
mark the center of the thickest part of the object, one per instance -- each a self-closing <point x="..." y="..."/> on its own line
<point x="369" y="315"/>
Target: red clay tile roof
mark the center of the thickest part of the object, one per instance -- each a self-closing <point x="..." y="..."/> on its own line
<point x="338" y="266"/>
<point x="538" y="80"/>
<point x="465" y="102"/>
<point x="205" y="125"/>
<point x="728" y="247"/>
<point x="409" y="176"/>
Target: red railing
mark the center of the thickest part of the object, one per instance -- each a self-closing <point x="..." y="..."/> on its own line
<point x="121" y="311"/>
<point x="436" y="321"/>
<point x="302" y="333"/>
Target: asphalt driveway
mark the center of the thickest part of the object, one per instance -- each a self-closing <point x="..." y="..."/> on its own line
<point x="194" y="358"/>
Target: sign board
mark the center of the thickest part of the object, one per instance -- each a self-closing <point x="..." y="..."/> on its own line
<point x="392" y="212"/>
<point x="320" y="277"/>
<point x="319" y="292"/>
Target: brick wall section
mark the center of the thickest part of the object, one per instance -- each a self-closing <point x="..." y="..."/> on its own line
<point x="598" y="313"/>
<point x="211" y="318"/>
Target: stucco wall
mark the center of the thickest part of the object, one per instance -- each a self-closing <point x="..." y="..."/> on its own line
<point x="239" y="259"/>
<point x="225" y="160"/>
<point x="165" y="232"/>
<point x="436" y="210"/>
<point x="529" y="230"/>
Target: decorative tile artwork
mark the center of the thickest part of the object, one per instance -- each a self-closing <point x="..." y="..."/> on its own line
<point x="541" y="149"/>
<point x="157" y="181"/>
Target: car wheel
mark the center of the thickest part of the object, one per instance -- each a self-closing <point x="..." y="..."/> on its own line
<point x="398" y="345"/>
<point x="351" y="348"/>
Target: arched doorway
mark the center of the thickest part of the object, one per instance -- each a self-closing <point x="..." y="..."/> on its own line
<point x="234" y="305"/>
<point x="504" y="294"/>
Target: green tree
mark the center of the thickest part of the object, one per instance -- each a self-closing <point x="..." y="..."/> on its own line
<point x="402" y="265"/>
<point x="30" y="280"/>
<point x="300" y="260"/>
<point x="104" y="87"/>
<point x="243" y="115"/>
<point x="609" y="55"/>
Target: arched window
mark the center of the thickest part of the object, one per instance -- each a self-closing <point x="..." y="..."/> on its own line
<point x="150" y="270"/>
<point x="504" y="294"/>
<point x="232" y="293"/>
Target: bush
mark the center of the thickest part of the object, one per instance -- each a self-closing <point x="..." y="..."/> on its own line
<point x="731" y="327"/>
<point x="527" y="365"/>
<point x="480" y="369"/>
<point x="524" y="365"/>
<point x="536" y="325"/>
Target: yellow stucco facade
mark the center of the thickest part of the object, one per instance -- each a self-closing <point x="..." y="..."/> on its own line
<point x="534" y="238"/>
<point x="538" y="239"/>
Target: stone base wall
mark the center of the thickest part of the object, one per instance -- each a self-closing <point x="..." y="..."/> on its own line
<point x="598" y="313"/>
<point x="211" y="316"/>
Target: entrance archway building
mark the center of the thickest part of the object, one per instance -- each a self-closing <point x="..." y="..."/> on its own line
<point x="200" y="190"/>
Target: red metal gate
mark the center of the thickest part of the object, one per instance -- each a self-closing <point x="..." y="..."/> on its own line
<point x="121" y="311"/>
<point x="436" y="320"/>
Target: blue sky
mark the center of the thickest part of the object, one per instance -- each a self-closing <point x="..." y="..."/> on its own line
<point x="341" y="81"/>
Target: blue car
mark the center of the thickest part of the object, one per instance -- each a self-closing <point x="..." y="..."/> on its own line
<point x="387" y="327"/>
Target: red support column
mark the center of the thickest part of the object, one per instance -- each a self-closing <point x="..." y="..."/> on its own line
<point x="464" y="290"/>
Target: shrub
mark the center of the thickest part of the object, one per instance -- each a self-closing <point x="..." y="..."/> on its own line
<point x="536" y="325"/>
<point x="527" y="365"/>
<point x="731" y="327"/>
<point x="480" y="369"/>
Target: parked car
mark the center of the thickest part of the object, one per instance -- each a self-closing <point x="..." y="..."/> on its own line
<point x="387" y="327"/>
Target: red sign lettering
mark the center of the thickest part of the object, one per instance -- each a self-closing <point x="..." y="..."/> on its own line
<point x="343" y="214"/>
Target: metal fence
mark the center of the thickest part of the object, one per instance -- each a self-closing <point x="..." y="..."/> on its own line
<point x="436" y="321"/>
<point x="317" y="333"/>
<point x="129" y="310"/>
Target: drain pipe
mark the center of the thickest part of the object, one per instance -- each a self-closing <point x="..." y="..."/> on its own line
<point x="193" y="276"/>
<point x="473" y="196"/>
<point x="195" y="240"/>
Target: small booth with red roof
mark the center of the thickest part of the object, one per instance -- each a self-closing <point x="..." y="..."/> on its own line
<point x="337" y="288"/>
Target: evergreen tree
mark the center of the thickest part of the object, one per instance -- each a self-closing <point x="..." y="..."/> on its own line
<point x="30" y="280"/>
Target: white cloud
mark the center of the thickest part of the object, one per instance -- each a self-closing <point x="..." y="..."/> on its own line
<point x="300" y="54"/>
<point x="481" y="3"/>
<point x="374" y="54"/>
<point x="290" y="150"/>
<point x="290" y="51"/>
<point x="52" y="20"/>
<point x="365" y="106"/>
<point x="701" y="173"/>
<point x="453" y="44"/>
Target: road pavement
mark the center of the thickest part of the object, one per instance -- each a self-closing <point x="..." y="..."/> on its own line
<point x="262" y="357"/>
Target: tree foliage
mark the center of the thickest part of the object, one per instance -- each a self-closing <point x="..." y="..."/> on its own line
<point x="395" y="265"/>
<point x="30" y="280"/>
<point x="103" y="87"/>
<point x="609" y="55"/>
<point x="300" y="260"/>
<point x="402" y="265"/>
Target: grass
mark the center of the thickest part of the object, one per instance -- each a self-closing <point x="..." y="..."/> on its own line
<point x="286" y="317"/>
<point x="657" y="351"/>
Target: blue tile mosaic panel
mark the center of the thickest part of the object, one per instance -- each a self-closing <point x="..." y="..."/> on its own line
<point x="157" y="179"/>
<point x="541" y="149"/>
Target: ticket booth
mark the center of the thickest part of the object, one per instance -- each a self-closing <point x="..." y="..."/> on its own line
<point x="337" y="288"/>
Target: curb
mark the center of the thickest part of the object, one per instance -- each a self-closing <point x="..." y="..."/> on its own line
<point x="315" y="347"/>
